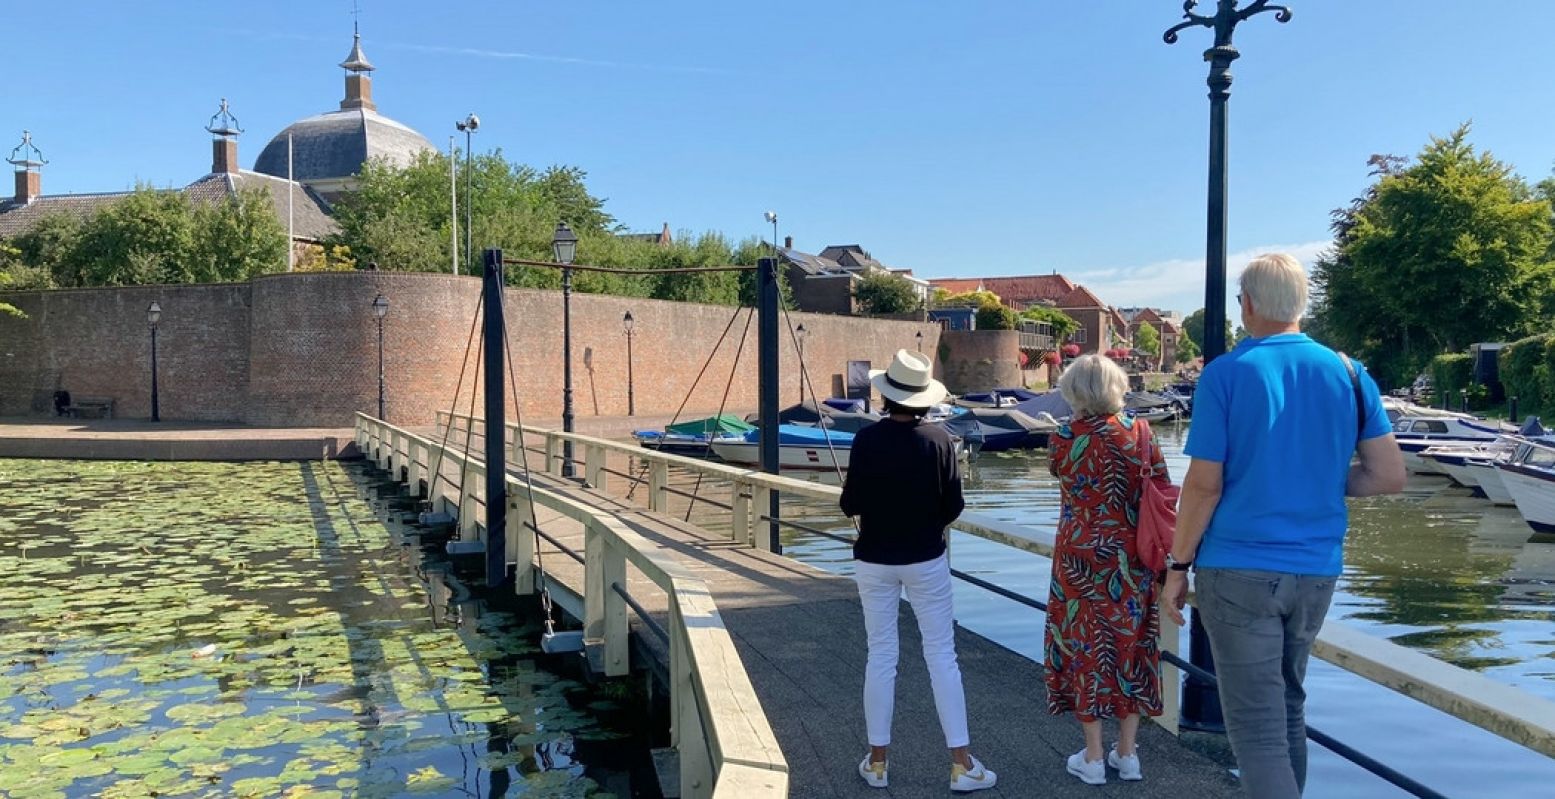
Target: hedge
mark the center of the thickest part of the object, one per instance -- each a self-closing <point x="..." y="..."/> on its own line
<point x="1449" y="374"/>
<point x="1519" y="369"/>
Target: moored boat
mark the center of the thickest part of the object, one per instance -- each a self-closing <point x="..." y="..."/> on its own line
<point x="799" y="447"/>
<point x="1529" y="475"/>
<point x="692" y="438"/>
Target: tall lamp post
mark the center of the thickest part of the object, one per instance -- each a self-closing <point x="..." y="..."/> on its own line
<point x="468" y="125"/>
<point x="564" y="246"/>
<point x="1200" y="703"/>
<point x="631" y="402"/>
<point x="799" y="335"/>
<point x="153" y="316"/>
<point x="772" y="217"/>
<point x="380" y="310"/>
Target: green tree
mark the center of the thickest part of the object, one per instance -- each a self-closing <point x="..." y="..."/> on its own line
<point x="1187" y="350"/>
<point x="1451" y="249"/>
<point x="1148" y="341"/>
<point x="1193" y="328"/>
<point x="885" y="293"/>
<point x="995" y="317"/>
<point x="238" y="238"/>
<point x="1063" y="325"/>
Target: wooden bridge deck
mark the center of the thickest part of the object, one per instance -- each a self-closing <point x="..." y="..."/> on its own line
<point x="800" y="634"/>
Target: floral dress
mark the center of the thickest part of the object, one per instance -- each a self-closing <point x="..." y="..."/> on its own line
<point x="1102" y="659"/>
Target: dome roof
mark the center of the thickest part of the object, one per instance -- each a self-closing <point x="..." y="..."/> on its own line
<point x="334" y="145"/>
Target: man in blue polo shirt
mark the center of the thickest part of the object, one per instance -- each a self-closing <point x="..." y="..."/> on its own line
<point x="1262" y="517"/>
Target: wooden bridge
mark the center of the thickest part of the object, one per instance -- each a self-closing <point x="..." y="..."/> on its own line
<point x="764" y="656"/>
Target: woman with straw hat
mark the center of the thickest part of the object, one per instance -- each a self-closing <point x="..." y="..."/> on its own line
<point x="904" y="485"/>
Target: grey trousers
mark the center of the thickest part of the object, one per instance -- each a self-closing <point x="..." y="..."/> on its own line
<point x="1261" y="626"/>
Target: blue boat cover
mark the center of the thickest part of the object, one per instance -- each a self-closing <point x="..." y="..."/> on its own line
<point x="1051" y="403"/>
<point x="846" y="405"/>
<point x="797" y="435"/>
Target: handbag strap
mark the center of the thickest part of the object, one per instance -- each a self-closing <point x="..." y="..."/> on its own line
<point x="1360" y="398"/>
<point x="1146" y="459"/>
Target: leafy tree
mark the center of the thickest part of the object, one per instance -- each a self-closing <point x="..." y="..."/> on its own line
<point x="885" y="293"/>
<point x="1451" y="249"/>
<point x="1187" y="350"/>
<point x="235" y="239"/>
<point x="1193" y="329"/>
<point x="974" y="299"/>
<point x="995" y="317"/>
<point x="1148" y="340"/>
<point x="1063" y="325"/>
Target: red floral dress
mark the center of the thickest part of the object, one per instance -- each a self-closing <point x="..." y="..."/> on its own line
<point x="1102" y="659"/>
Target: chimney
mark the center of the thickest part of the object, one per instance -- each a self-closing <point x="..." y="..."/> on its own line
<point x="28" y="160"/>
<point x="224" y="156"/>
<point x="788" y="242"/>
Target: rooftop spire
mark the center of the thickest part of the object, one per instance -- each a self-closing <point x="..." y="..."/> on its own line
<point x="356" y="61"/>
<point x="26" y="157"/>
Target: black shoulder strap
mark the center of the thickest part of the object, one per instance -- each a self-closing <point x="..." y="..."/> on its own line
<point x="1360" y="399"/>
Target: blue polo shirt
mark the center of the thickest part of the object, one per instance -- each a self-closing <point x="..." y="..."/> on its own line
<point x="1279" y="414"/>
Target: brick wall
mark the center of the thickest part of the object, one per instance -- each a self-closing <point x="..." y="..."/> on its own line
<point x="978" y="360"/>
<point x="301" y="349"/>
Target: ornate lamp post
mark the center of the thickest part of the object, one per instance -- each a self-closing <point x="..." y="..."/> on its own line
<point x="469" y="124"/>
<point x="799" y="335"/>
<point x="1200" y="703"/>
<point x="154" y="316"/>
<point x="380" y="309"/>
<point x="564" y="246"/>
<point x="627" y="323"/>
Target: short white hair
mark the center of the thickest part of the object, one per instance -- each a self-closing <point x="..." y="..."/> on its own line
<point x="1276" y="285"/>
<point x="1093" y="386"/>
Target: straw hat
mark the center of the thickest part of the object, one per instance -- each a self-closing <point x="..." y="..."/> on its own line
<point x="909" y="381"/>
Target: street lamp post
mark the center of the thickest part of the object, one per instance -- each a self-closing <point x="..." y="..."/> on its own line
<point x="468" y="125"/>
<point x="153" y="316"/>
<point x="772" y="217"/>
<point x="1200" y="703"/>
<point x="799" y="335"/>
<point x="380" y="309"/>
<point x="564" y="246"/>
<point x="631" y="402"/>
<point x="919" y="337"/>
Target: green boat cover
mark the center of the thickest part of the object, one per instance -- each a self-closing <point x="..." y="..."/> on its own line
<point x="713" y="425"/>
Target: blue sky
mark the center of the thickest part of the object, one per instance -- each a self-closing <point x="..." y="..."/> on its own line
<point x="957" y="139"/>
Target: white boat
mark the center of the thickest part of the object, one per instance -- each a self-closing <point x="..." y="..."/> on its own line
<point x="1457" y="460"/>
<point x="1529" y="474"/>
<point x="1430" y="428"/>
<point x="798" y="448"/>
<point x="1490" y="482"/>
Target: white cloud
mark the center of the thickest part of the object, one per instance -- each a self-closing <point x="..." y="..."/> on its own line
<point x="1178" y="284"/>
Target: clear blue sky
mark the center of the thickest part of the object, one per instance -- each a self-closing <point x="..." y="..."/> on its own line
<point x="956" y="139"/>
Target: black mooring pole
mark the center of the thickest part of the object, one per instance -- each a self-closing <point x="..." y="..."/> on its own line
<point x="496" y="424"/>
<point x="767" y="383"/>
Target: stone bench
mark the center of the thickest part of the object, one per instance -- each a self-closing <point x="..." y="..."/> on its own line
<point x="90" y="407"/>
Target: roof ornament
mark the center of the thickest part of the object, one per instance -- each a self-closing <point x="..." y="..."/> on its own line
<point x="223" y="124"/>
<point x="26" y="156"/>
<point x="356" y="61"/>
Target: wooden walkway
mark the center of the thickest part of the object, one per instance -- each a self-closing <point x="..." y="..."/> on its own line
<point x="800" y="634"/>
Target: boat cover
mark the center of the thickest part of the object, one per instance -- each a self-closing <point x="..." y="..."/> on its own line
<point x="846" y="405"/>
<point x="713" y="425"/>
<point x="1533" y="427"/>
<point x="798" y="435"/>
<point x="999" y="428"/>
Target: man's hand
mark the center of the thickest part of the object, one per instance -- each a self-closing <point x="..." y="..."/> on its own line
<point x="1175" y="595"/>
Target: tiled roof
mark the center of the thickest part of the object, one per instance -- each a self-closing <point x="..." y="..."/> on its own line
<point x="811" y="264"/>
<point x="17" y="218"/>
<point x="334" y="145"/>
<point x="310" y="214"/>
<point x="1019" y="291"/>
<point x="1080" y="297"/>
<point x="957" y="285"/>
<point x="1147" y="315"/>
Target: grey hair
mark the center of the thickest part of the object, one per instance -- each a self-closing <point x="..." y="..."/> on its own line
<point x="1276" y="285"/>
<point x="1093" y="386"/>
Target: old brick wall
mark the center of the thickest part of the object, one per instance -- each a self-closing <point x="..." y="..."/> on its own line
<point x="979" y="360"/>
<point x="301" y="350"/>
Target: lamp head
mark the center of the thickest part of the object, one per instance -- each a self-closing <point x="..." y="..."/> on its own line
<point x="801" y="332"/>
<point x="627" y="322"/>
<point x="154" y="313"/>
<point x="771" y="217"/>
<point x="564" y="243"/>
<point x="380" y="306"/>
<point x="470" y="123"/>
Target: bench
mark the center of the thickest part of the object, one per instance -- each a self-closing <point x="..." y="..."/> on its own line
<point x="90" y="407"/>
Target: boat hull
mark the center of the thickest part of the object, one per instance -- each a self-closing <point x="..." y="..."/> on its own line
<point x="1490" y="482"/>
<point x="1455" y="467"/>
<point x="790" y="456"/>
<point x="1534" y="493"/>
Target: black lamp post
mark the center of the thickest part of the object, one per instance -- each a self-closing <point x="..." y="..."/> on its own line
<point x="631" y="403"/>
<point x="469" y="124"/>
<point x="153" y="316"/>
<point x="919" y="337"/>
<point x="799" y="335"/>
<point x="380" y="309"/>
<point x="1200" y="703"/>
<point x="564" y="246"/>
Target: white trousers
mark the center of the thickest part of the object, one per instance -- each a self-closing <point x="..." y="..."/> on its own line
<point x="928" y="589"/>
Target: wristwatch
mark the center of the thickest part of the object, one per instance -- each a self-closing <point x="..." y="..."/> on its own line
<point x="1177" y="565"/>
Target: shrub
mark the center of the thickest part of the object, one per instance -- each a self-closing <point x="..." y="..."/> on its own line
<point x="995" y="317"/>
<point x="1450" y="373"/>
<point x="1519" y="362"/>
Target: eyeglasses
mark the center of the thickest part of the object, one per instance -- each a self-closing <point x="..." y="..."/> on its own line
<point x="1239" y="298"/>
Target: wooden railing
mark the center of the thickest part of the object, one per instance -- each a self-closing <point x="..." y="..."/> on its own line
<point x="727" y="749"/>
<point x="1510" y="713"/>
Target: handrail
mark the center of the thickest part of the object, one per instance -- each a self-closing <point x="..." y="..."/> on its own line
<point x="726" y="745"/>
<point x="1503" y="710"/>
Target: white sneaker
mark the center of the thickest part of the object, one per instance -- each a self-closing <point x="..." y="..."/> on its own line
<point x="977" y="779"/>
<point x="1090" y="772"/>
<point x="873" y="773"/>
<point x="1128" y="767"/>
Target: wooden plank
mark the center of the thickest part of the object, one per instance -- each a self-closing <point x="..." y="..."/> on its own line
<point x="739" y="732"/>
<point x="604" y="611"/>
<point x="736" y="781"/>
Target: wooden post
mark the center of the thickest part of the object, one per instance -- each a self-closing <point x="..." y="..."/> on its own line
<point x="658" y="480"/>
<point x="1171" y="677"/>
<point x="594" y="466"/>
<point x="417" y="468"/>
<point x="553" y="454"/>
<point x="521" y="541"/>
<point x="686" y="732"/>
<point x="740" y="527"/>
<point x="604" y="622"/>
<point x="765" y="498"/>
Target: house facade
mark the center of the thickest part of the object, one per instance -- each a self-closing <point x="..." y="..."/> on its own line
<point x="824" y="282"/>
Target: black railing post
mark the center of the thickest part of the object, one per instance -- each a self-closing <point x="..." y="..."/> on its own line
<point x="156" y="410"/>
<point x="496" y="419"/>
<point x="1511" y="409"/>
<point x="767" y="383"/>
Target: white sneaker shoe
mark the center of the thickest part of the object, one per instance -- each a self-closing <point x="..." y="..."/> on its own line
<point x="1090" y="772"/>
<point x="977" y="779"/>
<point x="1128" y="767"/>
<point x="873" y="773"/>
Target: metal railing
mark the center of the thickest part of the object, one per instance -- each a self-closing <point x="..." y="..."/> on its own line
<point x="726" y="746"/>
<point x="1501" y="709"/>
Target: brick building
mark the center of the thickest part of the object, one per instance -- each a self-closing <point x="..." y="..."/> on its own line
<point x="824" y="282"/>
<point x="1166" y="326"/>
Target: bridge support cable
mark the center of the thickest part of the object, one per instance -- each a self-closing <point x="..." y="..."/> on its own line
<point x="453" y="407"/>
<point x="723" y="403"/>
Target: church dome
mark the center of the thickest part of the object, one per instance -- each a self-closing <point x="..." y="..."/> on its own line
<point x="330" y="148"/>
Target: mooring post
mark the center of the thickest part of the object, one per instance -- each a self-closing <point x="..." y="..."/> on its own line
<point x="496" y="424"/>
<point x="767" y="386"/>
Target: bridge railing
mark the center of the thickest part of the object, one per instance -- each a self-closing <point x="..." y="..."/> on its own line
<point x="1501" y="709"/>
<point x="726" y="746"/>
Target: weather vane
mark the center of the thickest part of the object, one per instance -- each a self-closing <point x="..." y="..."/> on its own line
<point x="223" y="123"/>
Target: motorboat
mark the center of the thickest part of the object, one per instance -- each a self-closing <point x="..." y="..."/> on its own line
<point x="1001" y="429"/>
<point x="1421" y="431"/>
<point x="1453" y="460"/>
<point x="1529" y="475"/>
<point x="799" y="447"/>
<point x="692" y="438"/>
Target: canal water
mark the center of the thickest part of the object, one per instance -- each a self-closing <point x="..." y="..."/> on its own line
<point x="270" y="629"/>
<point x="1435" y="570"/>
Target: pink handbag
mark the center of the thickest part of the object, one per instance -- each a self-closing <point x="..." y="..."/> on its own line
<point x="1157" y="509"/>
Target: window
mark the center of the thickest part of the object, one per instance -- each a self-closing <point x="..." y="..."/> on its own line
<point x="1400" y="425"/>
<point x="1540" y="458"/>
<point x="1079" y="336"/>
<point x="1424" y="427"/>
